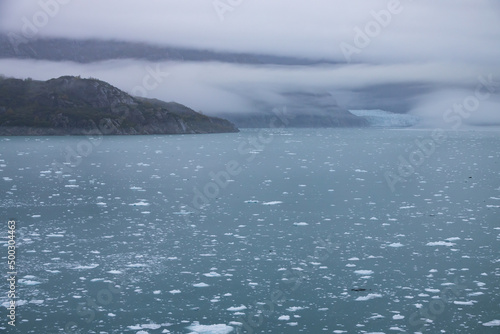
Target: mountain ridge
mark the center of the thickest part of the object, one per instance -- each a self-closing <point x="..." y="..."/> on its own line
<point x="75" y="106"/>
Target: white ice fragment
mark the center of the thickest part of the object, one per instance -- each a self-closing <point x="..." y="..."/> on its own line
<point x="294" y="308"/>
<point x="363" y="272"/>
<point x="140" y="203"/>
<point x="469" y="302"/>
<point x="440" y="243"/>
<point x="492" y="323"/>
<point x="200" y="285"/>
<point x="136" y="265"/>
<point x="237" y="308"/>
<point x="272" y="203"/>
<point x="114" y="272"/>
<point x="90" y="266"/>
<point x="368" y="297"/>
<point x="210" y="329"/>
<point x="36" y="301"/>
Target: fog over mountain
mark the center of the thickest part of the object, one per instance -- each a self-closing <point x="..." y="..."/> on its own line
<point x="423" y="57"/>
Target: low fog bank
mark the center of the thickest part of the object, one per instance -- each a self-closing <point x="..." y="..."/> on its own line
<point x="427" y="91"/>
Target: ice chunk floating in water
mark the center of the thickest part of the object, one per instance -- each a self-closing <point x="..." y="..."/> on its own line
<point x="210" y="329"/>
<point x="297" y="238"/>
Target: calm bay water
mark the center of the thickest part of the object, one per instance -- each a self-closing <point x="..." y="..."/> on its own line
<point x="264" y="231"/>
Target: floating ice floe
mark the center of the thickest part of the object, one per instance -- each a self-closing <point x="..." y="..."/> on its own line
<point x="90" y="266"/>
<point x="272" y="203"/>
<point x="284" y="317"/>
<point x="174" y="291"/>
<point x="474" y="294"/>
<point x="301" y="224"/>
<point x="210" y="329"/>
<point x="395" y="245"/>
<point x="53" y="271"/>
<point x="363" y="272"/>
<point x="200" y="285"/>
<point x="294" y="308"/>
<point x="237" y="308"/>
<point x="368" y="297"/>
<point x="492" y="323"/>
<point x="469" y="302"/>
<point x="440" y="243"/>
<point x="212" y="274"/>
<point x="54" y="235"/>
<point x="376" y="316"/>
<point x="136" y="265"/>
<point x="114" y="272"/>
<point x="37" y="301"/>
<point x="19" y="302"/>
<point x="145" y="326"/>
<point x="140" y="203"/>
<point x="28" y="282"/>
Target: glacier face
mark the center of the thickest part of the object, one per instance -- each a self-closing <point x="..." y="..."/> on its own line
<point x="382" y="118"/>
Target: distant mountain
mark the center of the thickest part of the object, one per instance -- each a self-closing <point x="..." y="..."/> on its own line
<point x="75" y="106"/>
<point x="329" y="119"/>
<point x="91" y="50"/>
<point x="304" y="110"/>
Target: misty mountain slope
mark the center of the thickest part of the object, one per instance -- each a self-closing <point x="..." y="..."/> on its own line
<point x="71" y="105"/>
<point x="88" y="51"/>
<point x="303" y="110"/>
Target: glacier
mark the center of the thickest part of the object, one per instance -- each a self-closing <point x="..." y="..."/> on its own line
<point x="382" y="118"/>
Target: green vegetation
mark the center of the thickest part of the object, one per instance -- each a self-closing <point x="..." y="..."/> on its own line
<point x="72" y="104"/>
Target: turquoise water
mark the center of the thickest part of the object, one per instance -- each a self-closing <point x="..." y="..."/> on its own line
<point x="264" y="231"/>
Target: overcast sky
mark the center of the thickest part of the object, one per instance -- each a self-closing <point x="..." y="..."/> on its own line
<point x="445" y="44"/>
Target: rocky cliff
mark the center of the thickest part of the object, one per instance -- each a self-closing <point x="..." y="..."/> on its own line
<point x="75" y="106"/>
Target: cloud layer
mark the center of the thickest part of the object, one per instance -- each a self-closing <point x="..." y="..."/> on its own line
<point x="428" y="54"/>
<point x="459" y="30"/>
